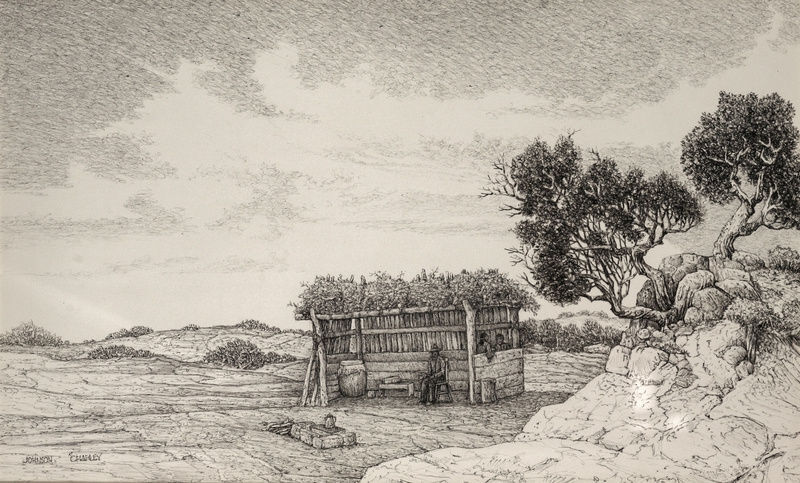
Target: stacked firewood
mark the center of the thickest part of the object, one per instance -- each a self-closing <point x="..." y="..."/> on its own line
<point x="279" y="427"/>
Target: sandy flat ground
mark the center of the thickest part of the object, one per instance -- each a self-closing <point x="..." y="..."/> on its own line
<point x="163" y="419"/>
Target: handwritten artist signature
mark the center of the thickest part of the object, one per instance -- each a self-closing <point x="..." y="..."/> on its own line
<point x="38" y="460"/>
<point x="49" y="459"/>
<point x="74" y="457"/>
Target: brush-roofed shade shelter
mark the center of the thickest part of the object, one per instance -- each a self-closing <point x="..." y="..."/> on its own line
<point x="397" y="343"/>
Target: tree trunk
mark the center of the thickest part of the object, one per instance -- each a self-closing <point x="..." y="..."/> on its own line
<point x="735" y="227"/>
<point x="663" y="298"/>
<point x="662" y="317"/>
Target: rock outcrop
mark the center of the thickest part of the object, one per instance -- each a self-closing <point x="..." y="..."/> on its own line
<point x="683" y="404"/>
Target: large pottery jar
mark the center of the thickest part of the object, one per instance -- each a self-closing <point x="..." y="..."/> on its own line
<point x="352" y="378"/>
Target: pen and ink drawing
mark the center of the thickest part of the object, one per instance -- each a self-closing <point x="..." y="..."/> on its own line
<point x="230" y="204"/>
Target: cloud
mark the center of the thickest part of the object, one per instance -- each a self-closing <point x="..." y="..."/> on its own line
<point x="181" y="265"/>
<point x="271" y="189"/>
<point x="152" y="219"/>
<point x="70" y="72"/>
<point x="118" y="157"/>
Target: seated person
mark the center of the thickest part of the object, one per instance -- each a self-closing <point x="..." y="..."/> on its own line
<point x="485" y="347"/>
<point x="500" y="343"/>
<point x="434" y="375"/>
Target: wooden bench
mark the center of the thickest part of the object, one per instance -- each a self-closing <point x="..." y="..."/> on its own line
<point x="397" y="385"/>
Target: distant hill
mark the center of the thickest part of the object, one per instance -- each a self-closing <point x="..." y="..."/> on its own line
<point x="188" y="345"/>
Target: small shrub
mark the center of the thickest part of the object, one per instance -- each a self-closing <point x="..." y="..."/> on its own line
<point x="583" y="313"/>
<point x="31" y="335"/>
<point x="190" y="327"/>
<point x="139" y="330"/>
<point x="784" y="258"/>
<point x="570" y="337"/>
<point x="763" y="327"/>
<point x="749" y="260"/>
<point x="243" y="354"/>
<point x="251" y="324"/>
<point x="791" y="311"/>
<point x="750" y="313"/>
<point x="118" y="351"/>
<point x="134" y="331"/>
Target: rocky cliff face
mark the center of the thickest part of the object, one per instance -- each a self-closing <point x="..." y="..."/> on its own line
<point x="683" y="403"/>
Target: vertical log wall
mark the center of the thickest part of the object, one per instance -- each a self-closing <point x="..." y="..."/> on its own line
<point x="397" y="343"/>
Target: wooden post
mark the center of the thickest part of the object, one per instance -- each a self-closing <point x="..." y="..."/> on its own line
<point x="323" y="360"/>
<point x="471" y="349"/>
<point x="513" y="319"/>
<point x="359" y="339"/>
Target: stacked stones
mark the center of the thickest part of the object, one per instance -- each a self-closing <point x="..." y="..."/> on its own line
<point x="702" y="288"/>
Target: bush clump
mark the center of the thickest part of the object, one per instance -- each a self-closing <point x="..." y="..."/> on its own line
<point x="190" y="327"/>
<point x="763" y="327"/>
<point x="569" y="337"/>
<point x="252" y="324"/>
<point x="751" y="313"/>
<point x="338" y="295"/>
<point x="784" y="258"/>
<point x="243" y="354"/>
<point x="135" y="331"/>
<point x="583" y="313"/>
<point x="29" y="334"/>
<point x="118" y="351"/>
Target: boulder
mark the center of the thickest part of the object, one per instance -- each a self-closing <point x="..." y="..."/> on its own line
<point x="625" y="435"/>
<point x="698" y="445"/>
<point x="644" y="360"/>
<point x="597" y="349"/>
<point x="681" y="272"/>
<point x="676" y="267"/>
<point x="744" y="369"/>
<point x="670" y="264"/>
<point x="693" y="318"/>
<point x="701" y="261"/>
<point x="732" y="274"/>
<point x="734" y="355"/>
<point x="684" y="378"/>
<point x="618" y="359"/>
<point x="712" y="302"/>
<point x="663" y="374"/>
<point x="646" y="296"/>
<point x="739" y="289"/>
<point x="704" y="349"/>
<point x="749" y="261"/>
<point x="689" y="285"/>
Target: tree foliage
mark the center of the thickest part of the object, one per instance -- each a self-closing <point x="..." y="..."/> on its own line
<point x="746" y="151"/>
<point x="584" y="232"/>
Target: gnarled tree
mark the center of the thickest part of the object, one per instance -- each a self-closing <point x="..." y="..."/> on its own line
<point x="585" y="233"/>
<point x="746" y="151"/>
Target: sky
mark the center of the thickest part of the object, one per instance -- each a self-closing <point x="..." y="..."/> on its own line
<point x="196" y="163"/>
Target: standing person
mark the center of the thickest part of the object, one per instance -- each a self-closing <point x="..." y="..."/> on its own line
<point x="485" y="347"/>
<point x="435" y="374"/>
<point x="500" y="343"/>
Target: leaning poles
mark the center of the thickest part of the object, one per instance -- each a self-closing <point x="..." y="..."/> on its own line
<point x="315" y="387"/>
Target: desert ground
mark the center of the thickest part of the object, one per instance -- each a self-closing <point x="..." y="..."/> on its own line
<point x="68" y="418"/>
